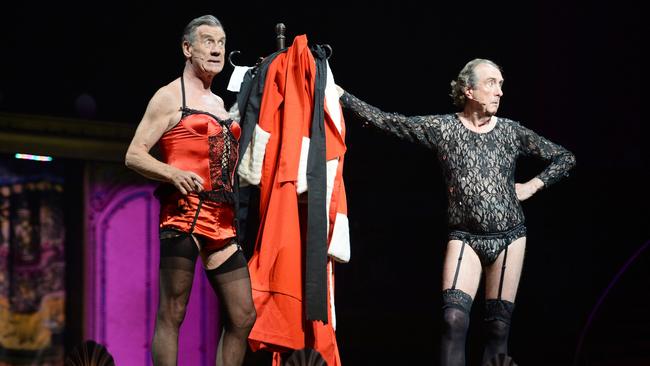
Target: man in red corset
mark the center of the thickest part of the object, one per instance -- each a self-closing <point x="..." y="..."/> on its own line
<point x="199" y="146"/>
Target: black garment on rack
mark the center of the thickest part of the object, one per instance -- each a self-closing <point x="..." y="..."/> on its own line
<point x="249" y="100"/>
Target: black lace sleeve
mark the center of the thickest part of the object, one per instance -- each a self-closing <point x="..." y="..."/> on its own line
<point x="562" y="160"/>
<point x="421" y="129"/>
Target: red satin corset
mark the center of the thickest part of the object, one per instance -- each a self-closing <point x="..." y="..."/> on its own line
<point x="202" y="144"/>
<point x="197" y="143"/>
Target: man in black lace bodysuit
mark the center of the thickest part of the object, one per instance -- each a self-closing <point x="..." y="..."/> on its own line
<point x="477" y="151"/>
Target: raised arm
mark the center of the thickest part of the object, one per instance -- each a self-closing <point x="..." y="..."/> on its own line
<point x="157" y="119"/>
<point x="421" y="129"/>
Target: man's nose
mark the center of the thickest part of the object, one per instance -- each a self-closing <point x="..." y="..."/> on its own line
<point x="217" y="49"/>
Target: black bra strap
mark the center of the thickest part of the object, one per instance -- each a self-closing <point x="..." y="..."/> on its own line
<point x="183" y="91"/>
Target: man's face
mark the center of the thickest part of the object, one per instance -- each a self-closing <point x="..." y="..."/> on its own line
<point x="487" y="91"/>
<point x="207" y="50"/>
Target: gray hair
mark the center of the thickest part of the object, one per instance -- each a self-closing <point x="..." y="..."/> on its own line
<point x="189" y="33"/>
<point x="467" y="79"/>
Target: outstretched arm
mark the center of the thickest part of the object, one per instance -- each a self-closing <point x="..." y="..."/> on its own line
<point x="154" y="123"/>
<point x="421" y="129"/>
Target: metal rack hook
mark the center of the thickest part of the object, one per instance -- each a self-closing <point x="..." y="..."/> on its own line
<point x="230" y="55"/>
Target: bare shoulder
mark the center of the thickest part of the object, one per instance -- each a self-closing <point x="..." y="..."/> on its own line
<point x="168" y="96"/>
<point x="218" y="107"/>
<point x="218" y="100"/>
<point x="164" y="106"/>
<point x="167" y="100"/>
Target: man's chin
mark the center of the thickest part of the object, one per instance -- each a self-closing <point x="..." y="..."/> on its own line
<point x="212" y="70"/>
<point x="215" y="70"/>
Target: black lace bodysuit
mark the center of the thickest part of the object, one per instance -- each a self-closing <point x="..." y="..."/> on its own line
<point x="478" y="169"/>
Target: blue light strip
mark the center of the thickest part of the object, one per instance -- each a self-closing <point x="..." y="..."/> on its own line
<point x="33" y="157"/>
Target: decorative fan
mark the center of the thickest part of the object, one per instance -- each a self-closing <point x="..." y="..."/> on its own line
<point x="90" y="353"/>
<point x="305" y="357"/>
<point x="501" y="360"/>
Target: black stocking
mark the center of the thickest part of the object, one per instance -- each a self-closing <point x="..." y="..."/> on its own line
<point x="497" y="327"/>
<point x="456" y="307"/>
<point x="177" y="260"/>
<point x="232" y="284"/>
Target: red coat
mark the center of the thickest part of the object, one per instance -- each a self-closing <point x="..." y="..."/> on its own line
<point x="277" y="262"/>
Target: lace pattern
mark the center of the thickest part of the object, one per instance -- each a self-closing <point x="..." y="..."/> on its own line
<point x="456" y="298"/>
<point x="223" y="151"/>
<point x="478" y="168"/>
<point x="499" y="310"/>
<point x="488" y="247"/>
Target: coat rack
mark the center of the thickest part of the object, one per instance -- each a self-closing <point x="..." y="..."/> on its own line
<point x="280" y="42"/>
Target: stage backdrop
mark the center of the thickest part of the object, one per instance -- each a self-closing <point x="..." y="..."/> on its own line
<point x="122" y="273"/>
<point x="32" y="268"/>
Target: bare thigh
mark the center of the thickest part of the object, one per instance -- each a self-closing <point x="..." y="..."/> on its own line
<point x="512" y="274"/>
<point x="215" y="259"/>
<point x="469" y="274"/>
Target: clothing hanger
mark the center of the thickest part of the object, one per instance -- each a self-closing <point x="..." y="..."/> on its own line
<point x="328" y="49"/>
<point x="280" y="40"/>
<point x="230" y="56"/>
<point x="236" y="52"/>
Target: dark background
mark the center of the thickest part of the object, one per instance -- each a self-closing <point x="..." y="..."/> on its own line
<point x="574" y="73"/>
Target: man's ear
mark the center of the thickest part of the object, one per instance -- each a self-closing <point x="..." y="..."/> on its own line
<point x="186" y="49"/>
<point x="469" y="93"/>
